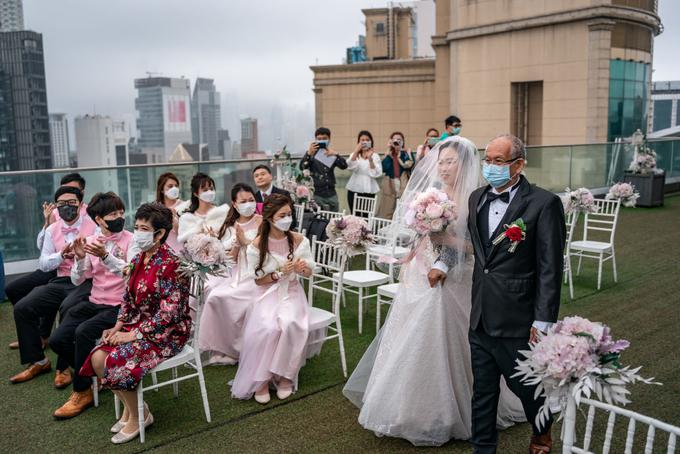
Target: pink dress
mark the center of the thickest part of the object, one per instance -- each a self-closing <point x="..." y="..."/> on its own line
<point x="276" y="325"/>
<point x="227" y="303"/>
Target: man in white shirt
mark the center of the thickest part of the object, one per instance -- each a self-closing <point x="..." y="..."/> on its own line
<point x="44" y="301"/>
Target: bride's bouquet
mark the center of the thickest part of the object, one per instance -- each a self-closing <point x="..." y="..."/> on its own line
<point x="205" y="255"/>
<point x="577" y="357"/>
<point x="430" y="212"/>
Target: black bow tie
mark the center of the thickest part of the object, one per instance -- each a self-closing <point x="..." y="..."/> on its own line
<point x="504" y="197"/>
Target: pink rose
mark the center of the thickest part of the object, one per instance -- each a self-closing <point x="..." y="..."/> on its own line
<point x="434" y="211"/>
<point x="302" y="191"/>
<point x="437" y="225"/>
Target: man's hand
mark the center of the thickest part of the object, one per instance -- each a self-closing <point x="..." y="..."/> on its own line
<point x="331" y="152"/>
<point x="79" y="248"/>
<point x="96" y="249"/>
<point x="67" y="252"/>
<point x="313" y="148"/>
<point x="534" y="335"/>
<point x="48" y="209"/>
<point x="435" y="277"/>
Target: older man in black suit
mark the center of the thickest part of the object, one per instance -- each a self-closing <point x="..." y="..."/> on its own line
<point x="515" y="290"/>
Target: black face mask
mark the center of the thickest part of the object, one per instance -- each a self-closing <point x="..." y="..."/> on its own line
<point x="115" y="225"/>
<point x="68" y="213"/>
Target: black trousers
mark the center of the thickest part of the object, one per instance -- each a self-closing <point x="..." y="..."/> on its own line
<point x="350" y="199"/>
<point x="22" y="286"/>
<point x="41" y="302"/>
<point x="77" y="334"/>
<point x="491" y="358"/>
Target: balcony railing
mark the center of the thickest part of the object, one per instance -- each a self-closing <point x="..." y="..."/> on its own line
<point x="22" y="193"/>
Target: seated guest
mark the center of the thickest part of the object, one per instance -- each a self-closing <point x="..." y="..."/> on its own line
<point x="263" y="180"/>
<point x="153" y="322"/>
<point x="44" y="301"/>
<point x="230" y="297"/>
<point x="202" y="216"/>
<point x="167" y="193"/>
<point x="277" y="325"/>
<point x="366" y="168"/>
<point x="20" y="287"/>
<point x="104" y="255"/>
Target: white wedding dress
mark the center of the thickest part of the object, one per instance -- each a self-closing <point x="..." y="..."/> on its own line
<point x="415" y="379"/>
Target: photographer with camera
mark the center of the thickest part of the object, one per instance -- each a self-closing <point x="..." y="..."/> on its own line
<point x="395" y="165"/>
<point x="321" y="161"/>
<point x="365" y="166"/>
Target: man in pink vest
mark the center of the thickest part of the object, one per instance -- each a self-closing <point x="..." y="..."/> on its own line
<point x="104" y="255"/>
<point x="43" y="301"/>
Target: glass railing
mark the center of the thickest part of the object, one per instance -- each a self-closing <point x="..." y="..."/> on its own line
<point x="22" y="193"/>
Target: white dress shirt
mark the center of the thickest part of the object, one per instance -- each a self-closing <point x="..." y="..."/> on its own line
<point x="363" y="179"/>
<point x="50" y="258"/>
<point x="268" y="192"/>
<point x="497" y="210"/>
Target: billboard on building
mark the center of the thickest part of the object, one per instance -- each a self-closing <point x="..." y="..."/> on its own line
<point x="176" y="115"/>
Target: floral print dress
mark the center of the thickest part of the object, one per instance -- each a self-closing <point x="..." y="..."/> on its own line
<point x="157" y="303"/>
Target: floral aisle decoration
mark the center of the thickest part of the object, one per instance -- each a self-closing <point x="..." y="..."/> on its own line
<point x="577" y="358"/>
<point x="579" y="200"/>
<point x="644" y="161"/>
<point x="625" y="192"/>
<point x="204" y="255"/>
<point x="352" y="233"/>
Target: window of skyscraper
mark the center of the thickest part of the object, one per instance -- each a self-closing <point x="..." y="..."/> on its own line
<point x="627" y="98"/>
<point x="663" y="111"/>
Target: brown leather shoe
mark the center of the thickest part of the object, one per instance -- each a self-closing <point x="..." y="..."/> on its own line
<point x="14" y="345"/>
<point x="541" y="444"/>
<point x="77" y="403"/>
<point x="31" y="372"/>
<point x="62" y="379"/>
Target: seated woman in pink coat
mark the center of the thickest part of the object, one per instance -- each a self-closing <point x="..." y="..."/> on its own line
<point x="277" y="324"/>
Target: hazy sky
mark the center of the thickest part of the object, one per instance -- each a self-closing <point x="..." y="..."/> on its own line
<point x="258" y="52"/>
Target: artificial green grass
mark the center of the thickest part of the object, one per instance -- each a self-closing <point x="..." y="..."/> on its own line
<point x="642" y="307"/>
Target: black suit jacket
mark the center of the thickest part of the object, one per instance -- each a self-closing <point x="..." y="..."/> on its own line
<point x="512" y="290"/>
<point x="275" y="190"/>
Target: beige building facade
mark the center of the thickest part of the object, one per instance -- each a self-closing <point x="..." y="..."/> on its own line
<point x="550" y="71"/>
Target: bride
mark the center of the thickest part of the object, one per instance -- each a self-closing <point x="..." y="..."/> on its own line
<point x="415" y="379"/>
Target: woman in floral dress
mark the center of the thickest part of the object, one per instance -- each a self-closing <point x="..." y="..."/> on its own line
<point x="153" y="322"/>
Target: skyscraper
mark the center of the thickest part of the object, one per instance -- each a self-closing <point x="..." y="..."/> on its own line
<point x="206" y="118"/>
<point x="11" y="15"/>
<point x="249" y="136"/>
<point x="60" y="140"/>
<point x="224" y="144"/>
<point x="163" y="114"/>
<point x="24" y="121"/>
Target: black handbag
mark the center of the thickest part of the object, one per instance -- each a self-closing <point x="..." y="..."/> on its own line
<point x="317" y="228"/>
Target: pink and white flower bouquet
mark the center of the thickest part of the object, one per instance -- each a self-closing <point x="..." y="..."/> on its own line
<point x="577" y="357"/>
<point x="430" y="212"/>
<point x="205" y="255"/>
<point x="644" y="162"/>
<point x="580" y="200"/>
<point x="352" y="233"/>
<point x="625" y="192"/>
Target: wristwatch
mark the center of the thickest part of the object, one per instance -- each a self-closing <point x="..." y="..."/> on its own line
<point x="138" y="335"/>
<point x="275" y="276"/>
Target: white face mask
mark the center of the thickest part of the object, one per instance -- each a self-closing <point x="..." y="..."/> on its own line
<point x="143" y="240"/>
<point x="172" y="193"/>
<point x="246" y="209"/>
<point x="284" y="224"/>
<point x="207" y="196"/>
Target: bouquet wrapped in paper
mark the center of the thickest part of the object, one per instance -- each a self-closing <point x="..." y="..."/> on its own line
<point x="579" y="200"/>
<point x="352" y="233"/>
<point x="577" y="357"/>
<point x="430" y="212"/>
<point x="205" y="255"/>
<point x="625" y="192"/>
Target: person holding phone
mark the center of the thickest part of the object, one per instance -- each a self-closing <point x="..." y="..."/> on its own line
<point x="321" y="161"/>
<point x="364" y="163"/>
<point x="395" y="165"/>
<point x="431" y="139"/>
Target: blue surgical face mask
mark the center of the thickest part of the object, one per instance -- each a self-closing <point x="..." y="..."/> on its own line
<point x="455" y="131"/>
<point x="496" y="175"/>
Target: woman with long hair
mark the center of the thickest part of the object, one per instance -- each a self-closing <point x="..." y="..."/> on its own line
<point x="202" y="216"/>
<point x="364" y="163"/>
<point x="230" y="297"/>
<point x="168" y="194"/>
<point x="277" y="325"/>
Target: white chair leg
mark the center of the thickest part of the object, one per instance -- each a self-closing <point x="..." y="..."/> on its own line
<point x="154" y="380"/>
<point x="343" y="360"/>
<point x="599" y="272"/>
<point x="616" y="277"/>
<point x="377" y="314"/>
<point x="140" y="411"/>
<point x="580" y="259"/>
<point x="571" y="283"/>
<point x="204" y="391"/>
<point x="95" y="391"/>
<point x="361" y="309"/>
<point x="175" y="386"/>
<point x="116" y="406"/>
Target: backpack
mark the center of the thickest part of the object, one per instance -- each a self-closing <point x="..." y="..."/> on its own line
<point x="317" y="227"/>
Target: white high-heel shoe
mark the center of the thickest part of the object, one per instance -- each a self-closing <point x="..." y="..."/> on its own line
<point x="284" y="393"/>
<point x="263" y="398"/>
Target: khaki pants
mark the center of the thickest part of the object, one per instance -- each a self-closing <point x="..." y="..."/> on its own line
<point x="389" y="193"/>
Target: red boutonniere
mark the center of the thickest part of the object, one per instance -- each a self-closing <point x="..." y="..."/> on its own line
<point x="516" y="232"/>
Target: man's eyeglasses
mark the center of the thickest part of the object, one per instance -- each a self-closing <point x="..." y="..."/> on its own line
<point x="63" y="203"/>
<point x="499" y="162"/>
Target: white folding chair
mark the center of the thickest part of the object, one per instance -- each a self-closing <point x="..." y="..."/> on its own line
<point x="364" y="206"/>
<point x="386" y="244"/>
<point x="604" y="220"/>
<point x="386" y="294"/>
<point x="571" y="220"/>
<point x="359" y="283"/>
<point x="299" y="214"/>
<point x="330" y="215"/>
<point x="327" y="277"/>
<point x="190" y="356"/>
<point x="569" y="428"/>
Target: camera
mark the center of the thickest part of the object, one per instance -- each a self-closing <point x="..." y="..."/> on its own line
<point x="322" y="144"/>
